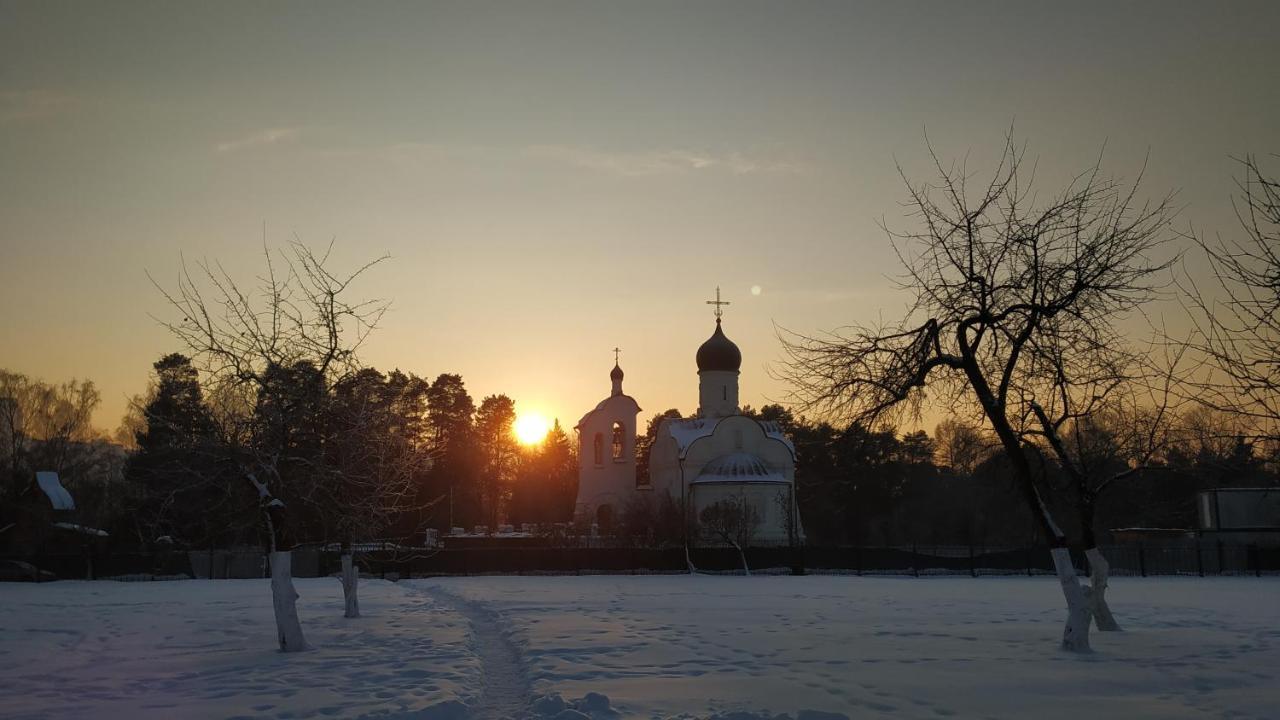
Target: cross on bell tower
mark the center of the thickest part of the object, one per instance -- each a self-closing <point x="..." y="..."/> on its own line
<point x="616" y="374"/>
<point x="719" y="304"/>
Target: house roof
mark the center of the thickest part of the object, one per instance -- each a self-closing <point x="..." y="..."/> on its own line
<point x="58" y="495"/>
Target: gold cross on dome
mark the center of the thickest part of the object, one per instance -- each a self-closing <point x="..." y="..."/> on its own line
<point x="615" y="355"/>
<point x="718" y="303"/>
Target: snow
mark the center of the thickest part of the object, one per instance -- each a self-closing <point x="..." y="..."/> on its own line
<point x="660" y="646"/>
<point x="52" y="487"/>
<point x="816" y="648"/>
<point x="207" y="649"/>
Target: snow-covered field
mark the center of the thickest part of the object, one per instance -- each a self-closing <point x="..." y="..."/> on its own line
<point x="207" y="649"/>
<point x="657" y="646"/>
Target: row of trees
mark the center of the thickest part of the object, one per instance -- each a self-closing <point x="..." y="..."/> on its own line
<point x="879" y="487"/>
<point x="377" y="456"/>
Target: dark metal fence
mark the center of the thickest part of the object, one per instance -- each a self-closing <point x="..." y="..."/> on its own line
<point x="1138" y="559"/>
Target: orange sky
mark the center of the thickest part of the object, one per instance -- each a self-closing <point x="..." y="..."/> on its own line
<point x="554" y="180"/>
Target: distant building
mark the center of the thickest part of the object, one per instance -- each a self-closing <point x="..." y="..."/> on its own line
<point x="719" y="454"/>
<point x="1240" y="515"/>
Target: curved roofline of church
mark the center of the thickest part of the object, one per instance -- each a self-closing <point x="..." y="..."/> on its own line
<point x="600" y="406"/>
<point x="684" y="450"/>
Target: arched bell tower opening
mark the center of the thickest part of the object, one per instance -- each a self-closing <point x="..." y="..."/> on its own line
<point x="619" y="441"/>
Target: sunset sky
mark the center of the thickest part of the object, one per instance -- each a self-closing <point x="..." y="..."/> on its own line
<point x="553" y="179"/>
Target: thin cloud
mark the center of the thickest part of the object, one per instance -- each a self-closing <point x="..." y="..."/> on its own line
<point x="262" y="138"/>
<point x="658" y="162"/>
<point x="25" y="105"/>
<point x="620" y="163"/>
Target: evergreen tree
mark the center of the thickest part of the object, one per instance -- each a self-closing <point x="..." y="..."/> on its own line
<point x="498" y="454"/>
<point x="450" y="412"/>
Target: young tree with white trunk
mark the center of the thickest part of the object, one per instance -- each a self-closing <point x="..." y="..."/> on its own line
<point x="1103" y="416"/>
<point x="281" y="346"/>
<point x="1005" y="284"/>
<point x="374" y="450"/>
<point x="734" y="520"/>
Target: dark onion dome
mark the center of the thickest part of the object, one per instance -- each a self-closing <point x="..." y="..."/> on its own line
<point x="616" y="373"/>
<point x="719" y="354"/>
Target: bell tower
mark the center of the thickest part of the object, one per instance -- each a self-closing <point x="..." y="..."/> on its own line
<point x="607" y="455"/>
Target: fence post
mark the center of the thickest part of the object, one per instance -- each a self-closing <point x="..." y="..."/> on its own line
<point x="1199" y="558"/>
<point x="1220" y="557"/>
<point x="1142" y="560"/>
<point x="915" y="560"/>
<point x="1027" y="560"/>
<point x="1255" y="559"/>
<point x="973" y="569"/>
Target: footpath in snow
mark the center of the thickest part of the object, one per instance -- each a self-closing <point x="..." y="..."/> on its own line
<point x="663" y="646"/>
<point x="814" y="648"/>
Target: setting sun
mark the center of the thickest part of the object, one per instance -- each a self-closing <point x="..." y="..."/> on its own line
<point x="531" y="428"/>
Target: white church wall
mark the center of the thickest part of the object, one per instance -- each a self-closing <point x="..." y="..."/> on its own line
<point x="718" y="393"/>
<point x="604" y="479"/>
<point x="664" y="465"/>
<point x="771" y="502"/>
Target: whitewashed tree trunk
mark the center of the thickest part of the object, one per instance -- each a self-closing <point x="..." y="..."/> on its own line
<point x="285" y="598"/>
<point x="1100" y="571"/>
<point x="1075" y="636"/>
<point x="350" y="583"/>
<point x="742" y="555"/>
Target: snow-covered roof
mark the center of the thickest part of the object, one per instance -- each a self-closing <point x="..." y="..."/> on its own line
<point x="774" y="430"/>
<point x="600" y="406"/>
<point x="686" y="432"/>
<point x="85" y="529"/>
<point x="738" y="468"/>
<point x="58" y="495"/>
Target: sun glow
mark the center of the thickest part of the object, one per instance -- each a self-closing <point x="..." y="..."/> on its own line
<point x="531" y="428"/>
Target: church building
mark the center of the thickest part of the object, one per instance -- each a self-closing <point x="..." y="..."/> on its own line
<point x="716" y="455"/>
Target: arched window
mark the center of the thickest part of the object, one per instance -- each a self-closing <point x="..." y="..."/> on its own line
<point x="618" y="442"/>
<point x="599" y="449"/>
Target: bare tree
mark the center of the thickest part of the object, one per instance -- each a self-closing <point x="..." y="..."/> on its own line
<point x="962" y="446"/>
<point x="1107" y="415"/>
<point x="1239" y="321"/>
<point x="46" y="426"/>
<point x="733" y="520"/>
<point x="296" y="329"/>
<point x="1008" y="292"/>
